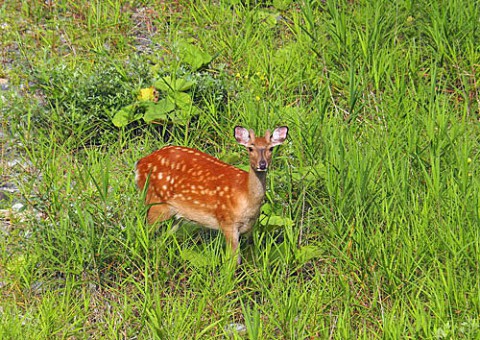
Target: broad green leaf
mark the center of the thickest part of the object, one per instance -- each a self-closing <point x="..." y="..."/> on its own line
<point x="193" y="55"/>
<point x="282" y="5"/>
<point x="125" y="116"/>
<point x="121" y="118"/>
<point x="158" y="111"/>
<point x="164" y="84"/>
<point x="167" y="84"/>
<point x="182" y="85"/>
<point x="267" y="209"/>
<point x="181" y="99"/>
<point x="276" y="221"/>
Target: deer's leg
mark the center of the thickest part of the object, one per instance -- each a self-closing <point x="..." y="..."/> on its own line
<point x="232" y="236"/>
<point x="159" y="212"/>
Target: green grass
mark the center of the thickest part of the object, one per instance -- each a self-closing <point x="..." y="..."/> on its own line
<point x="371" y="225"/>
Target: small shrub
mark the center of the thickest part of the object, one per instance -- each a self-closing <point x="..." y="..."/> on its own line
<point x="81" y="100"/>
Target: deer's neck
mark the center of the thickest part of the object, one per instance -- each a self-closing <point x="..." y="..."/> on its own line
<point x="257" y="185"/>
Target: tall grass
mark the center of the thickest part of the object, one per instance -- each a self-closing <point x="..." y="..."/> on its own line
<point x="379" y="178"/>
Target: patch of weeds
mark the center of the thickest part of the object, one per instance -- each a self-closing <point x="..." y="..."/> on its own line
<point x="468" y="329"/>
<point x="178" y="96"/>
<point x="174" y="99"/>
<point x="81" y="100"/>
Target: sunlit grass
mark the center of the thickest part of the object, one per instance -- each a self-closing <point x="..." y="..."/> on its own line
<point x="379" y="176"/>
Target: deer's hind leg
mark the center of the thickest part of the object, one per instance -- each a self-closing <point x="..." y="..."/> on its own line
<point x="159" y="212"/>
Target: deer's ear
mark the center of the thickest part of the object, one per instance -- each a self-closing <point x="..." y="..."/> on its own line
<point x="279" y="135"/>
<point x="242" y="135"/>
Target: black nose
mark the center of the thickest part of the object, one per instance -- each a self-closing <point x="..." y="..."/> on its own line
<point x="262" y="165"/>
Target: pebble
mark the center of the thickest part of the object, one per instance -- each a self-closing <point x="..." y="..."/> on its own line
<point x="18" y="207"/>
<point x="236" y="327"/>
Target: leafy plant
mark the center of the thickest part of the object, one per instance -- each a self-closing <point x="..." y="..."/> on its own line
<point x="272" y="219"/>
<point x="79" y="101"/>
<point x="193" y="55"/>
<point x="175" y="106"/>
<point x="171" y="98"/>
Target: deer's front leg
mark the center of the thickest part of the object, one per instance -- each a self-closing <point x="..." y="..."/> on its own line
<point x="232" y="236"/>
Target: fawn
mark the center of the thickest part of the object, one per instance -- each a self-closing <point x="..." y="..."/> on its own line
<point x="187" y="183"/>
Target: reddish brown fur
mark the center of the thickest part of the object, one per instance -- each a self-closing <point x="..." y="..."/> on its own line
<point x="188" y="183"/>
<point x="196" y="176"/>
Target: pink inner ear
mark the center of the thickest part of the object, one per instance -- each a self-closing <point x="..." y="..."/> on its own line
<point x="241" y="135"/>
<point x="279" y="135"/>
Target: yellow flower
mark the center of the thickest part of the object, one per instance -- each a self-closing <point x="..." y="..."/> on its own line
<point x="147" y="94"/>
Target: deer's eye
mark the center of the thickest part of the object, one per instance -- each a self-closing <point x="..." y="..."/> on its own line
<point x="271" y="149"/>
<point x="250" y="149"/>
